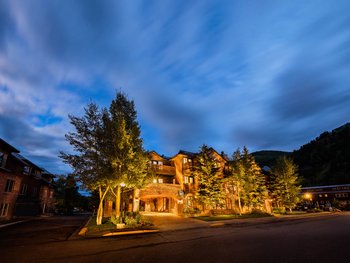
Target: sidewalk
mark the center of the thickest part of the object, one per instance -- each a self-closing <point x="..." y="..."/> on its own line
<point x="164" y="222"/>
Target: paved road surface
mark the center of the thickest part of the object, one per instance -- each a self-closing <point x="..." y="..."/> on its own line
<point x="318" y="239"/>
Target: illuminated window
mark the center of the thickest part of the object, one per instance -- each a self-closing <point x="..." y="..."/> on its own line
<point x="4" y="207"/>
<point x="186" y="179"/>
<point x="185" y="160"/>
<point x="160" y="180"/>
<point x="9" y="185"/>
<point x="191" y="180"/>
<point x="160" y="163"/>
<point x="155" y="181"/>
<point x="325" y="195"/>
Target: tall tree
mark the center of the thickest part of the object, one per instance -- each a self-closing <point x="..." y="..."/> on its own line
<point x="208" y="173"/>
<point x="126" y="157"/>
<point x="285" y="187"/>
<point x="236" y="178"/>
<point x="255" y="191"/>
<point x="88" y="161"/>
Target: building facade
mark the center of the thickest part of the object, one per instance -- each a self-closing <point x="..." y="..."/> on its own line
<point x="173" y="185"/>
<point x="25" y="188"/>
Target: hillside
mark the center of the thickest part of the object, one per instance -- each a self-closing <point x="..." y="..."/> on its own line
<point x="325" y="160"/>
<point x="268" y="158"/>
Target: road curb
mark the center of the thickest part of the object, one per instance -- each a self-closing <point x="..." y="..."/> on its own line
<point x="14" y="223"/>
<point x="80" y="231"/>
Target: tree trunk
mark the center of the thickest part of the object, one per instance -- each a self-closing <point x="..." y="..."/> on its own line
<point x="117" y="201"/>
<point x="239" y="201"/>
<point x="100" y="205"/>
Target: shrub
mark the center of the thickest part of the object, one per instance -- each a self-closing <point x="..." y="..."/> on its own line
<point x="192" y="211"/>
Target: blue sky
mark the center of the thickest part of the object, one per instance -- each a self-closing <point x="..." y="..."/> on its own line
<point x="265" y="74"/>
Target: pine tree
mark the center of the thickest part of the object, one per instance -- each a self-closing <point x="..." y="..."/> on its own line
<point x="236" y="178"/>
<point x="208" y="173"/>
<point x="255" y="191"/>
<point x="285" y="188"/>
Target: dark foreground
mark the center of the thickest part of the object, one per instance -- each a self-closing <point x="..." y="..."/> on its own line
<point x="317" y="239"/>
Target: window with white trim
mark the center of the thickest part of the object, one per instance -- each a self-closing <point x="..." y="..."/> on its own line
<point x="24" y="188"/>
<point x="4" y="207"/>
<point x="185" y="179"/>
<point x="2" y="158"/>
<point x="9" y="185"/>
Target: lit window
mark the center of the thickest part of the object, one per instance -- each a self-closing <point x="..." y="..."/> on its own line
<point x="186" y="179"/>
<point x="320" y="195"/>
<point x="191" y="180"/>
<point x="190" y="160"/>
<point x="155" y="162"/>
<point x="185" y="160"/>
<point x="154" y="181"/>
<point x="325" y="195"/>
<point x="160" y="180"/>
<point x="9" y="185"/>
<point x="4" y="207"/>
<point x="160" y="163"/>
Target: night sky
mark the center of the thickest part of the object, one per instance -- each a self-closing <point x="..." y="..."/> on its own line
<point x="265" y="74"/>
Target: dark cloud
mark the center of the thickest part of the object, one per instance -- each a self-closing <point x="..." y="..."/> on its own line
<point x="266" y="75"/>
<point x="40" y="148"/>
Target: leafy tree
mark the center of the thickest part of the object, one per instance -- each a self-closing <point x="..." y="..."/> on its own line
<point x="88" y="161"/>
<point x="285" y="188"/>
<point x="108" y="150"/>
<point x="68" y="196"/>
<point x="255" y="191"/>
<point x="208" y="173"/>
<point x="127" y="160"/>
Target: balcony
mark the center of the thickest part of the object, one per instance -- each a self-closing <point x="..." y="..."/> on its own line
<point x="164" y="169"/>
<point x="166" y="190"/>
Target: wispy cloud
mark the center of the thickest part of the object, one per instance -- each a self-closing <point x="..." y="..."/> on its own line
<point x="267" y="75"/>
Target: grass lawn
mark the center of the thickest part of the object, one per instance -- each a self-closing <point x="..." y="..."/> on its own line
<point x="107" y="226"/>
<point x="228" y="217"/>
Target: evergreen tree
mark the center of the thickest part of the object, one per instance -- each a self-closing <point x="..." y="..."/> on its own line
<point x="208" y="173"/>
<point x="236" y="178"/>
<point x="255" y="191"/>
<point x="285" y="188"/>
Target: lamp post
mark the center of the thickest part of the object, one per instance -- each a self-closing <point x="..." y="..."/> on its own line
<point x="122" y="184"/>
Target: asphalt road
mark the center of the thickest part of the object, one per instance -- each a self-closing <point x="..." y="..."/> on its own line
<point x="316" y="239"/>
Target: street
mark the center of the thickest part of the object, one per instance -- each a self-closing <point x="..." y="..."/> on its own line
<point x="315" y="239"/>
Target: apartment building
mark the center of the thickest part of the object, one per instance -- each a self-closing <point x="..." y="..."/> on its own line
<point x="173" y="185"/>
<point x="25" y="188"/>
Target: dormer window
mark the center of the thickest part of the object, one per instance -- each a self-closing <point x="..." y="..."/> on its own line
<point x="26" y="170"/>
<point x="2" y="155"/>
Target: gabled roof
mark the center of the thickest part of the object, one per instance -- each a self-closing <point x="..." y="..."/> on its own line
<point x="25" y="161"/>
<point x="190" y="154"/>
<point x="7" y="146"/>
<point x="160" y="156"/>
